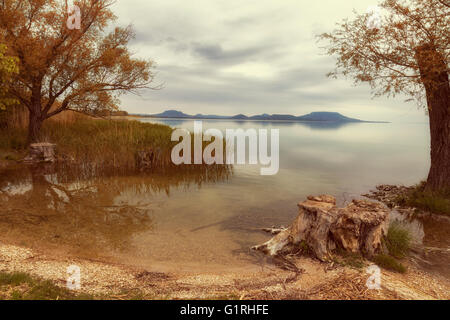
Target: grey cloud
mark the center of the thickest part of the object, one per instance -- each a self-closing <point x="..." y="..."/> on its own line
<point x="289" y="89"/>
<point x="148" y="39"/>
<point x="196" y="46"/>
<point x="215" y="53"/>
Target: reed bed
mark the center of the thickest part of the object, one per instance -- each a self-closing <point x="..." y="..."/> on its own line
<point x="105" y="145"/>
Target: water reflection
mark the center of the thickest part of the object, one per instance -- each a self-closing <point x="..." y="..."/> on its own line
<point x="315" y="125"/>
<point x="204" y="216"/>
<point x="430" y="240"/>
<point x="88" y="213"/>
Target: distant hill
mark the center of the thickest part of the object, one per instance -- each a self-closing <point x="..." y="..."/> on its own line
<point x="327" y="116"/>
<point x="171" y="114"/>
<point x="313" y="116"/>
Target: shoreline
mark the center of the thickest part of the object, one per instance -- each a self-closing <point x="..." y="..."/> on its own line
<point x="104" y="277"/>
<point x="134" y="117"/>
<point x="108" y="280"/>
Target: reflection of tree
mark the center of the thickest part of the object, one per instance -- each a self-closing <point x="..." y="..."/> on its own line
<point x="53" y="204"/>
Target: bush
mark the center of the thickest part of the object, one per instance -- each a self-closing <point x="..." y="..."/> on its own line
<point x="398" y="240"/>
<point x="398" y="243"/>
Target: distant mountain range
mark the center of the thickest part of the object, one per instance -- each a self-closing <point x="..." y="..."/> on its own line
<point x="313" y="116"/>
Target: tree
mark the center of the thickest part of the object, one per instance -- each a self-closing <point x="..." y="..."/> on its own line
<point x="406" y="53"/>
<point x="64" y="68"/>
<point x="8" y="67"/>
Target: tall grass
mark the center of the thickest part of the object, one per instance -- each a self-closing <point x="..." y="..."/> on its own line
<point x="398" y="240"/>
<point x="17" y="116"/>
<point x="14" y="124"/>
<point x="108" y="143"/>
<point x="104" y="144"/>
<point x="14" y="117"/>
<point x="398" y="243"/>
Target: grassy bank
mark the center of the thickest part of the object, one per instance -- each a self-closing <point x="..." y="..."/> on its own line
<point x="418" y="197"/>
<point x="22" y="286"/>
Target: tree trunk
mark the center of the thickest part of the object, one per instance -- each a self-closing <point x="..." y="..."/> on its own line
<point x="34" y="127"/>
<point x="434" y="75"/>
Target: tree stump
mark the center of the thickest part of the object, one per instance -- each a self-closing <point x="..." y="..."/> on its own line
<point x="357" y="228"/>
<point x="41" y="152"/>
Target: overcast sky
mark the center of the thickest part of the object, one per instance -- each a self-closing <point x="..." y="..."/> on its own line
<point x="248" y="56"/>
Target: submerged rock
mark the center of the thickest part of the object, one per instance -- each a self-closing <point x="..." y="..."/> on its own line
<point x="323" y="227"/>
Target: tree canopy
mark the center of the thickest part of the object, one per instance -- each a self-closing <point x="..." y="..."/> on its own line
<point x="61" y="68"/>
<point x="406" y="52"/>
<point x="8" y="67"/>
<point x="385" y="56"/>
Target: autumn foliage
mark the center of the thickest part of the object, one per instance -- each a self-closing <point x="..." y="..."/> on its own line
<point x="8" y="68"/>
<point x="82" y="69"/>
<point x="406" y="53"/>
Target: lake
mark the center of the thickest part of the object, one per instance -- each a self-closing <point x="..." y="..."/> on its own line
<point x="336" y="158"/>
<point x="209" y="221"/>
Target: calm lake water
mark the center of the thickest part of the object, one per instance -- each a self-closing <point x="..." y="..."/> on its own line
<point x="335" y="158"/>
<point x="209" y="221"/>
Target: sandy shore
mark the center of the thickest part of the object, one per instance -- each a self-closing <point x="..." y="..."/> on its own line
<point x="318" y="281"/>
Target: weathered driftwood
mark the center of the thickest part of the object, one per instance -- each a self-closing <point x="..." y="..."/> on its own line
<point x="357" y="228"/>
<point x="41" y="152"/>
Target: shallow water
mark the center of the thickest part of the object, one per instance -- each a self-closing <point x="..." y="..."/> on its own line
<point x="208" y="220"/>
